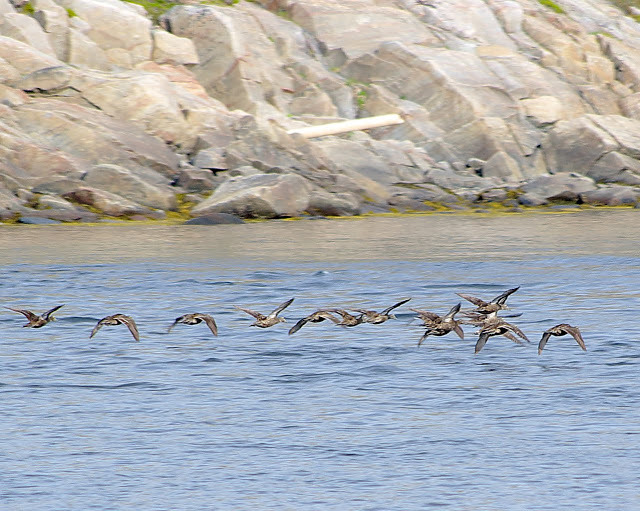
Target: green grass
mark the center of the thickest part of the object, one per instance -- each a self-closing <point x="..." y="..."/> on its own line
<point x="71" y="13"/>
<point x="552" y="5"/>
<point x="27" y="9"/>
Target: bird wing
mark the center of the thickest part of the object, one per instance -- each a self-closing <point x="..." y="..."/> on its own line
<point x="500" y="299"/>
<point x="51" y="311"/>
<point x="211" y="323"/>
<point x="459" y="331"/>
<point x="28" y="314"/>
<point x="543" y="341"/>
<point x="454" y="310"/>
<point x="131" y="325"/>
<point x="175" y="323"/>
<point x="96" y="328"/>
<point x="255" y="314"/>
<point x="575" y="333"/>
<point x="512" y="337"/>
<point x="298" y="325"/>
<point x="280" y="308"/>
<point x="431" y="316"/>
<point x="389" y="309"/>
<point x="482" y="340"/>
<point x="473" y="299"/>
<point x="424" y="336"/>
<point x="516" y="331"/>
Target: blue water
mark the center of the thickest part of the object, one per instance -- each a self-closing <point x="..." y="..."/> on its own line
<point x="329" y="418"/>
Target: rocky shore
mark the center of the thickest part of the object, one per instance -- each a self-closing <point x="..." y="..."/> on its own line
<point x="110" y="110"/>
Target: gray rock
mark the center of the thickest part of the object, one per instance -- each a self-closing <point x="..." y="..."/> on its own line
<point x="171" y="49"/>
<point x="215" y="219"/>
<point x="123" y="182"/>
<point x="502" y="166"/>
<point x="109" y="203"/>
<point x="332" y="204"/>
<point x="212" y="158"/>
<point x="611" y="196"/>
<point x="495" y="195"/>
<point x="195" y="180"/>
<point x="26" y="29"/>
<point x="46" y="80"/>
<point x="36" y="220"/>
<point x="563" y="186"/>
<point x="615" y="167"/>
<point x="259" y="196"/>
<point x="57" y="185"/>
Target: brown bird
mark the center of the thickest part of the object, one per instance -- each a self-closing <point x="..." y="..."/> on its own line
<point x="117" y="319"/>
<point x="316" y="317"/>
<point x="380" y="317"/>
<point x="498" y="326"/>
<point x="560" y="330"/>
<point x="263" y="321"/>
<point x="194" y="319"/>
<point x="495" y="305"/>
<point x="347" y="319"/>
<point x="36" y="321"/>
<point x="440" y="325"/>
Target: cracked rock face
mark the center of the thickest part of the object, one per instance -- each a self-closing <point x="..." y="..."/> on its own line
<point x="100" y="105"/>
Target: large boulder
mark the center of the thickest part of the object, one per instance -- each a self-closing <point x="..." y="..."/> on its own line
<point x="92" y="137"/>
<point x="106" y="202"/>
<point x="563" y="186"/>
<point x="123" y="182"/>
<point x="259" y="196"/>
<point x="26" y="29"/>
<point x="116" y="27"/>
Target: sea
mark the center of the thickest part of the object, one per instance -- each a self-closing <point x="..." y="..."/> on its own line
<point x="329" y="418"/>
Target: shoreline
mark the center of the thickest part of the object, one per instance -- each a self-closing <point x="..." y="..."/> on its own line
<point x="491" y="211"/>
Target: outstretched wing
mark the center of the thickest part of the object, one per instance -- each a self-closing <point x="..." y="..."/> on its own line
<point x="516" y="331"/>
<point x="280" y="308"/>
<point x="543" y="341"/>
<point x="424" y="336"/>
<point x="454" y="310"/>
<point x="500" y="299"/>
<point x="482" y="340"/>
<point x="389" y="309"/>
<point x="255" y="314"/>
<point x="178" y="320"/>
<point x="28" y="314"/>
<point x="513" y="338"/>
<point x="575" y="333"/>
<point x="47" y="314"/>
<point x="458" y="330"/>
<point x="298" y="325"/>
<point x="211" y="323"/>
<point x="472" y="299"/>
<point x="96" y="328"/>
<point x="426" y="315"/>
<point x="131" y="325"/>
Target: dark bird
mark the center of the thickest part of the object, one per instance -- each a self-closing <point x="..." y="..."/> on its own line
<point x="380" y="317"/>
<point x="263" y="321"/>
<point x="495" y="305"/>
<point x="560" y="330"/>
<point x="347" y="319"/>
<point x="117" y="319"/>
<point x="36" y="321"/>
<point x="498" y="326"/>
<point x="439" y="325"/>
<point x="316" y="317"/>
<point x="194" y="319"/>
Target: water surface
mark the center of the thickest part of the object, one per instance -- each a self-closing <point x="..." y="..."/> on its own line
<point x="328" y="418"/>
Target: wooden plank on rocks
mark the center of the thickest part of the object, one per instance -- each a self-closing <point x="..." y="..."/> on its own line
<point x="335" y="128"/>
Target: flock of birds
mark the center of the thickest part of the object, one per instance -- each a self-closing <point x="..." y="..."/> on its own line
<point x="484" y="316"/>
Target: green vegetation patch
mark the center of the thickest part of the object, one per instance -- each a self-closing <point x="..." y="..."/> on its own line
<point x="28" y="9"/>
<point x="552" y="5"/>
<point x="71" y="13"/>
